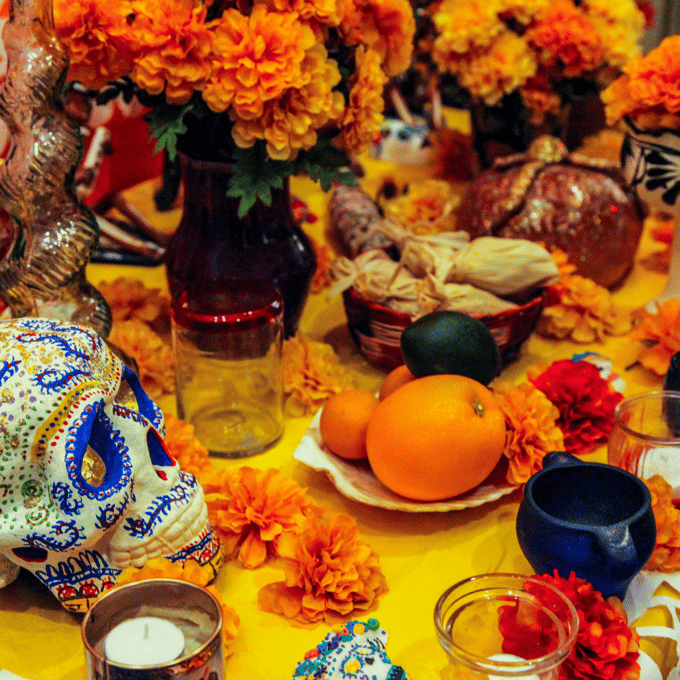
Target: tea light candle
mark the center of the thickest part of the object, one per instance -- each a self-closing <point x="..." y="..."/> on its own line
<point x="144" y="641"/>
<point x="513" y="658"/>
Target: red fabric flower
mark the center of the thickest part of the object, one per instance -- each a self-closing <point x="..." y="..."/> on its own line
<point x="585" y="400"/>
<point x="606" y="647"/>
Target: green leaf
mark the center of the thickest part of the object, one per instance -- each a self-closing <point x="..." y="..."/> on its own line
<point x="254" y="176"/>
<point x="166" y="124"/>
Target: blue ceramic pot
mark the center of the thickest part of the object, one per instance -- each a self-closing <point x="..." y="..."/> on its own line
<point x="590" y="518"/>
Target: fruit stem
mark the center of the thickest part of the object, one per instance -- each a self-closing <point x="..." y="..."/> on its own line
<point x="478" y="407"/>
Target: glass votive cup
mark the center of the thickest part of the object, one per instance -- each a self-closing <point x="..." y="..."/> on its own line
<point x="645" y="437"/>
<point x="227" y="341"/>
<point x="505" y="626"/>
<point x="170" y="609"/>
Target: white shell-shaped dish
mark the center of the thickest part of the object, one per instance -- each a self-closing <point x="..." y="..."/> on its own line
<point x="355" y="480"/>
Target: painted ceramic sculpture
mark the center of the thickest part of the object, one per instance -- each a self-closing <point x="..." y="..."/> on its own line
<point x="86" y="485"/>
<point x="46" y="244"/>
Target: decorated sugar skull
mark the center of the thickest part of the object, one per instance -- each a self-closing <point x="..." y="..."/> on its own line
<point x="355" y="652"/>
<point x="87" y="487"/>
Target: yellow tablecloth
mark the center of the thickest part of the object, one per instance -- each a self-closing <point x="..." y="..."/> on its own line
<point x="421" y="554"/>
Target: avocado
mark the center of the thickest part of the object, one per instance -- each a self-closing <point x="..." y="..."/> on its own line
<point x="450" y="342"/>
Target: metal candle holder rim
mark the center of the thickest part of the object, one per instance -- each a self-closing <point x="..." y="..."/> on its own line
<point x="115" y="592"/>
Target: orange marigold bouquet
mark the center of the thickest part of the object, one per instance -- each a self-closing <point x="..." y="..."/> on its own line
<point x="648" y="92"/>
<point x="278" y="87"/>
<point x="533" y="56"/>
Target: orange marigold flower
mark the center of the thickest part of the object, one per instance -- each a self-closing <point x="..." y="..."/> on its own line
<point x="183" y="446"/>
<point x="131" y="299"/>
<point x="539" y="98"/>
<point x="290" y="122"/>
<point x="155" y="359"/>
<point x="562" y="261"/>
<point x="312" y="372"/>
<point x="330" y="574"/>
<point x="257" y="57"/>
<point x="666" y="555"/>
<point x="649" y="89"/>
<point x="251" y="510"/>
<point x="98" y="39"/>
<point x="178" y="45"/>
<point x="191" y="572"/>
<point x="660" y="333"/>
<point x="566" y="37"/>
<point x="325" y="12"/>
<point x="521" y="11"/>
<point x="386" y="26"/>
<point x="585" y="312"/>
<point x="363" y="115"/>
<point x="426" y="208"/>
<point x="532" y="430"/>
<point x="322" y="273"/>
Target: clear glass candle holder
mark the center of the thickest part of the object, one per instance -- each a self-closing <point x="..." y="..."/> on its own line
<point x="645" y="438"/>
<point x="227" y="342"/>
<point x="505" y="626"/>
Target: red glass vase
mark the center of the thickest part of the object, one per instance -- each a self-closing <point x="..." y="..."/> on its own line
<point x="212" y="244"/>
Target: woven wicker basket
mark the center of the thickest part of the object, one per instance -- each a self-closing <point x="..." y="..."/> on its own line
<point x="377" y="329"/>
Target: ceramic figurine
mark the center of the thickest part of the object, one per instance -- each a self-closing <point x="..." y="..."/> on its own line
<point x="87" y="487"/>
<point x="590" y="518"/>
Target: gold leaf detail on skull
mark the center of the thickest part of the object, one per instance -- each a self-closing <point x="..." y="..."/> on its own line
<point x="93" y="468"/>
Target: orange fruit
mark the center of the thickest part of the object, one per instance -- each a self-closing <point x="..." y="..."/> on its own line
<point x="395" y="379"/>
<point x="436" y="437"/>
<point x="344" y="420"/>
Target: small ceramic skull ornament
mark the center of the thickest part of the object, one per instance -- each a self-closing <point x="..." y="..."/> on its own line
<point x="87" y="487"/>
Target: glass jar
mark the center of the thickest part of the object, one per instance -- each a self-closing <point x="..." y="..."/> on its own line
<point x="505" y="626"/>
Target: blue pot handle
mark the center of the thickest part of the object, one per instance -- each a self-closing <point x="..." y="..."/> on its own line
<point x="560" y="459"/>
<point x="617" y="544"/>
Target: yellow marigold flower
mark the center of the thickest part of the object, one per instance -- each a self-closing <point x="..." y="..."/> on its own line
<point x="96" y="34"/>
<point x="532" y="431"/>
<point x="251" y="510"/>
<point x="522" y="11"/>
<point x="312" y="372"/>
<point x="620" y="25"/>
<point x="499" y="69"/>
<point x="155" y="359"/>
<point x="364" y="113"/>
<point x="290" y="122"/>
<point x="565" y="37"/>
<point x="585" y="312"/>
<point x="463" y="26"/>
<point x="191" y="572"/>
<point x="183" y="446"/>
<point x="178" y="45"/>
<point x="325" y="12"/>
<point x="660" y="333"/>
<point x="427" y="208"/>
<point x="257" y="58"/>
<point x="666" y="554"/>
<point x="386" y="26"/>
<point x="330" y="574"/>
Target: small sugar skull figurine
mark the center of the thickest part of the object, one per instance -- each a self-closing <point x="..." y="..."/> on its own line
<point x="87" y="487"/>
<point x="354" y="652"/>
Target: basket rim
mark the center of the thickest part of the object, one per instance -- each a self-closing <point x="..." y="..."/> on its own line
<point x="530" y="305"/>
